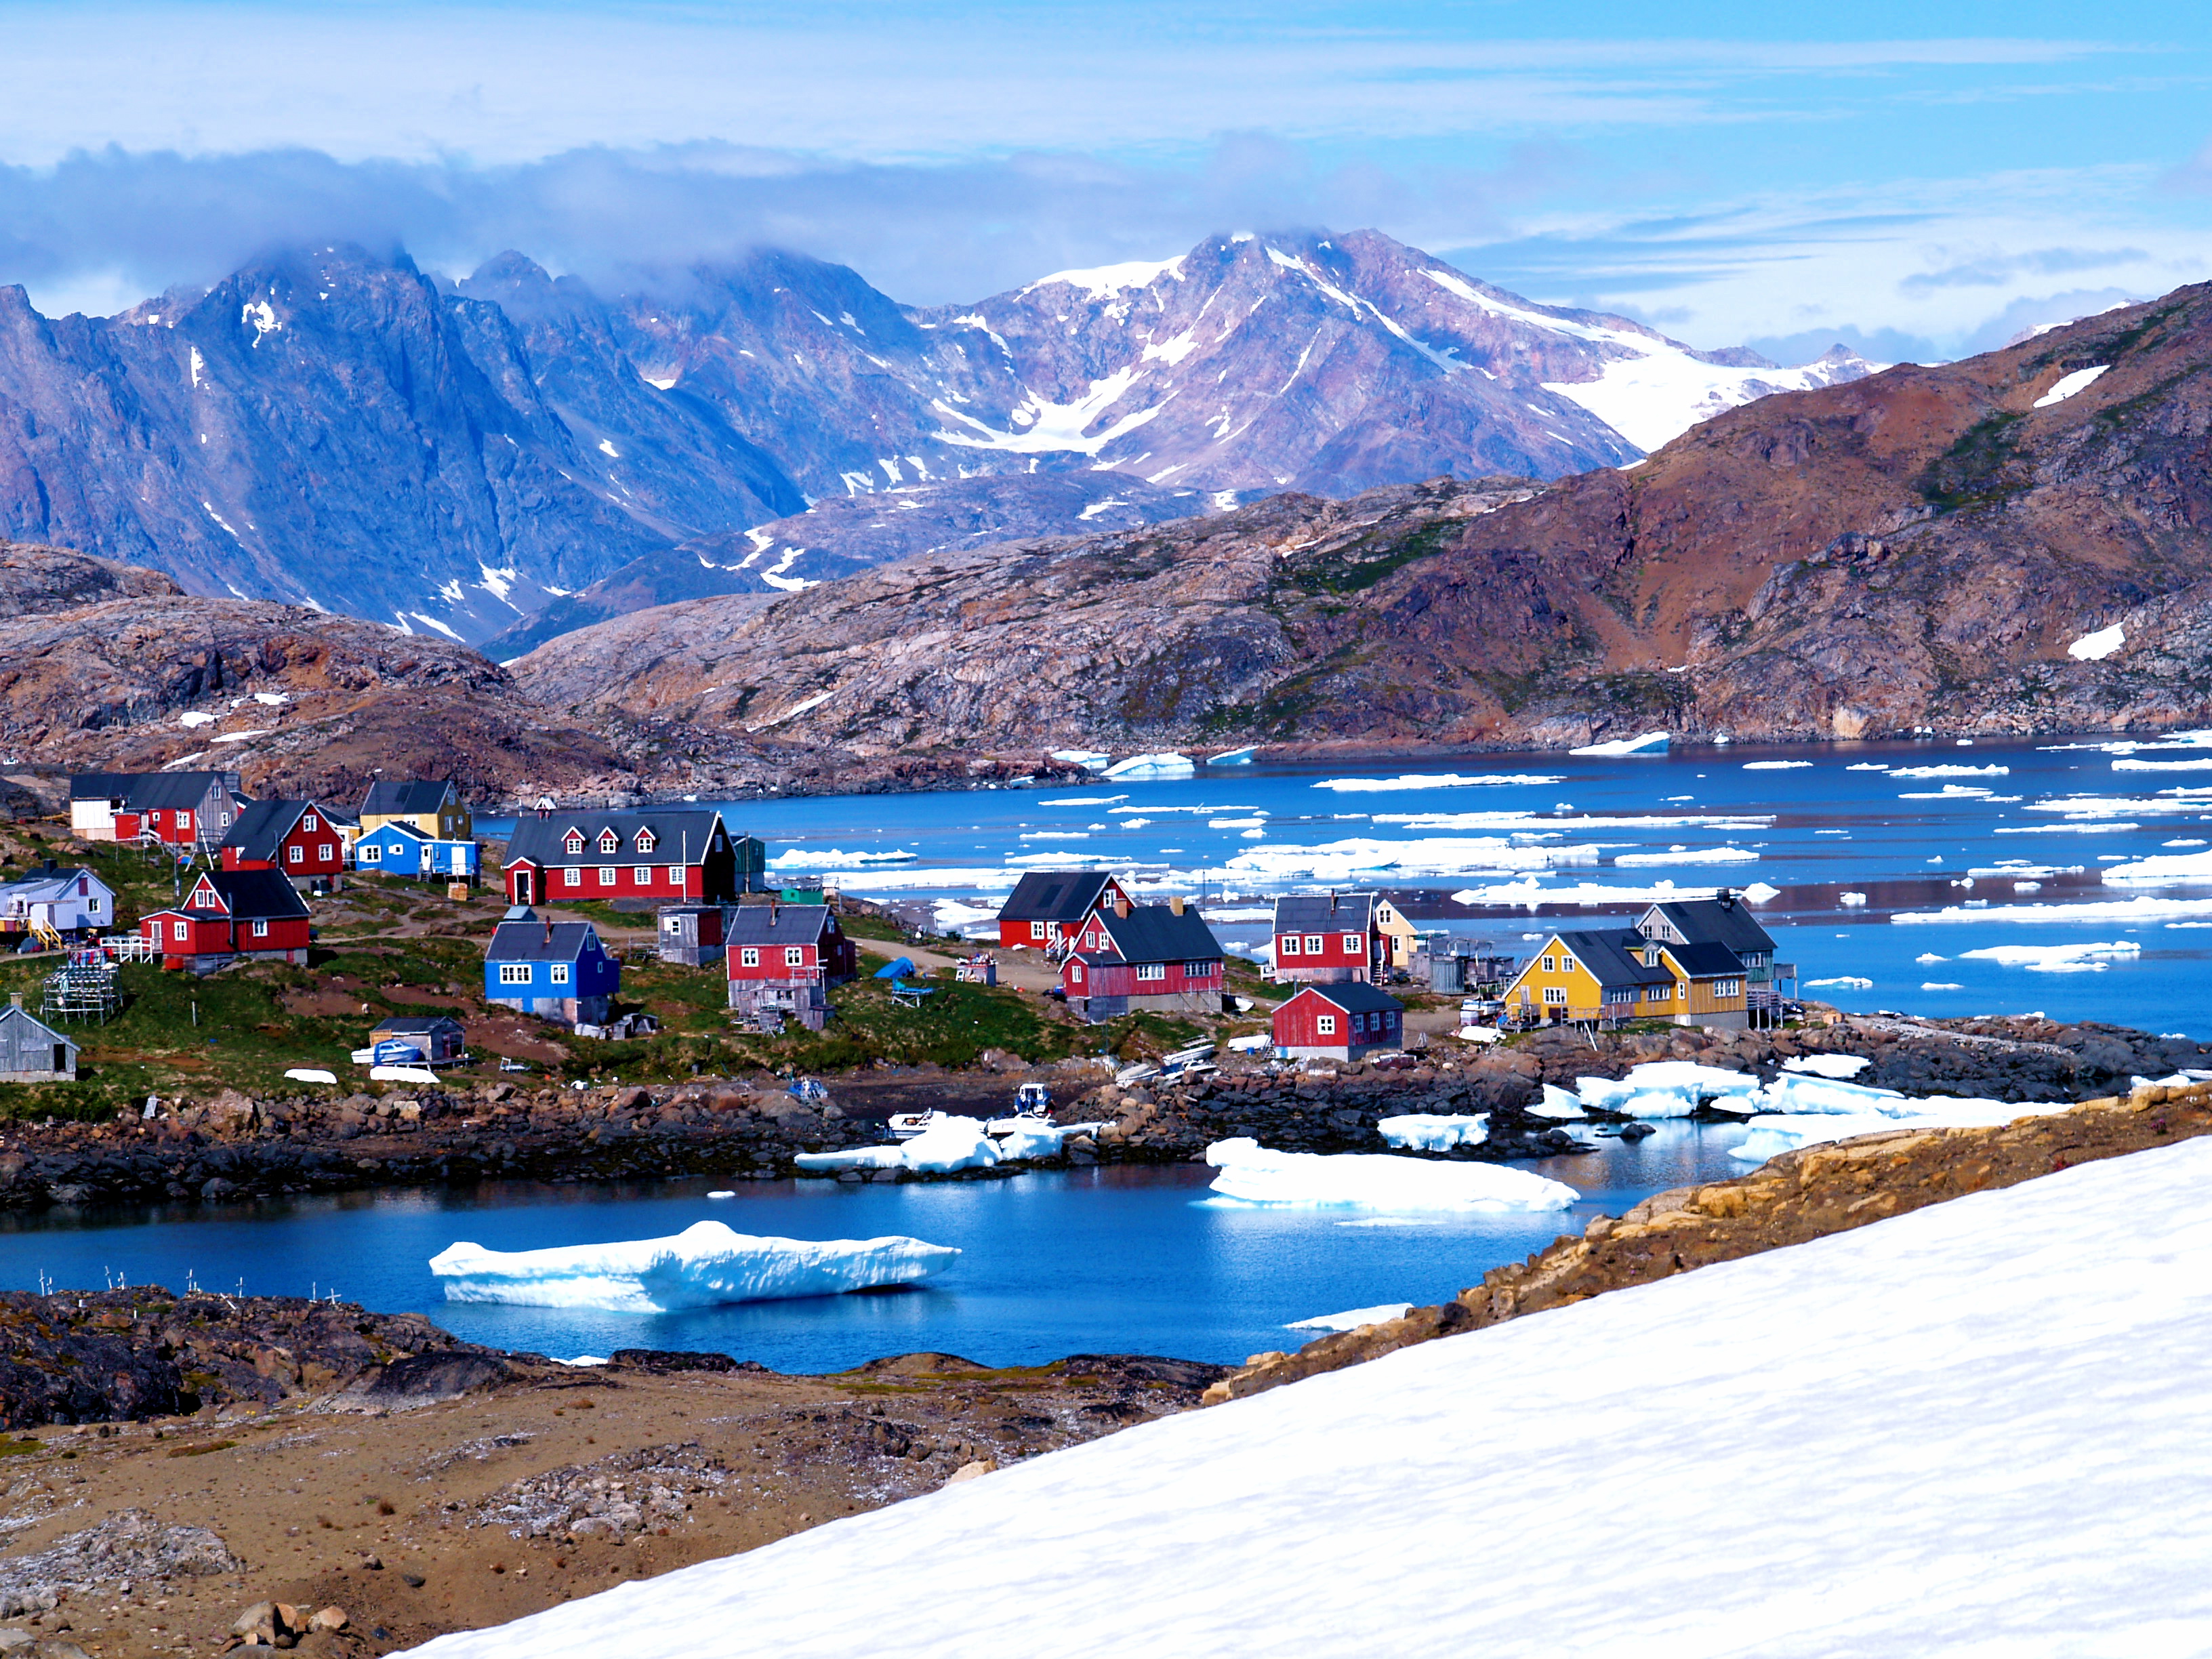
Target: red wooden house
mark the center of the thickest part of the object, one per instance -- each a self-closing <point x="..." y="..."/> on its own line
<point x="1048" y="907"/>
<point x="294" y="838"/>
<point x="178" y="808"/>
<point x="1339" y="1021"/>
<point x="783" y="958"/>
<point x="1325" y="939"/>
<point x="229" y="913"/>
<point x="658" y="856"/>
<point x="1142" y="956"/>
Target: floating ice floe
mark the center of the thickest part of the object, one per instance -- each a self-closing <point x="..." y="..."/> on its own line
<point x="1687" y="855"/>
<point x="1091" y="759"/>
<point x="1251" y="1174"/>
<point x="1082" y="800"/>
<point x="951" y="915"/>
<point x="703" y="1267"/>
<point x="2124" y="911"/>
<point x="1948" y="771"/>
<point x="2160" y="869"/>
<point x="1426" y="1133"/>
<point x="1664" y="1088"/>
<point x="1165" y="765"/>
<point x="1434" y="780"/>
<point x="1940" y="985"/>
<point x="1354" y="1318"/>
<point x="799" y="858"/>
<point x="1853" y="899"/>
<point x="1775" y="766"/>
<point x="1530" y="893"/>
<point x="1651" y="742"/>
<point x="1234" y="756"/>
<point x="1830" y="1066"/>
<point x="2162" y="766"/>
<point x="1343" y="860"/>
<point x="2056" y="958"/>
<point x="1841" y="982"/>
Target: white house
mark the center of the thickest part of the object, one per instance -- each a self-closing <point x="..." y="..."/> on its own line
<point x="67" y="901"/>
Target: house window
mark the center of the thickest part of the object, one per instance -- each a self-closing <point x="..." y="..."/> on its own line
<point x="1351" y="942"/>
<point x="557" y="972"/>
<point x="642" y="874"/>
<point x="308" y="823"/>
<point x="1075" y="970"/>
<point x="1289" y="944"/>
<point x="1567" y="963"/>
<point x="1151" y="971"/>
<point x="371" y="853"/>
<point x="178" y="931"/>
<point x="571" y="877"/>
<point x="514" y="973"/>
<point x="1622" y="993"/>
<point x="1200" y="969"/>
<point x="606" y="875"/>
<point x="1325" y="1024"/>
<point x="750" y="956"/>
<point x="644" y="841"/>
<point x="1037" y="930"/>
<point x="92" y="906"/>
<point x="1550" y="964"/>
<point x="261" y="930"/>
<point x="1555" y="994"/>
<point x="299" y="854"/>
<point x="609" y="841"/>
<point x="675" y="875"/>
<point x="794" y="956"/>
<point x="1313" y="945"/>
<point x="574" y="845"/>
<point x="183" y="820"/>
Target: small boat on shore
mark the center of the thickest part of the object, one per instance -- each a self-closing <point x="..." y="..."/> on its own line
<point x="906" y="1126"/>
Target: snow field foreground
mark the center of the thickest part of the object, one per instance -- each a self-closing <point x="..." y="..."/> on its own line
<point x="704" y="1265"/>
<point x="1978" y="1428"/>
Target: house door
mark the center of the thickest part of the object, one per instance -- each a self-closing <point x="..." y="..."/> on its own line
<point x="522" y="887"/>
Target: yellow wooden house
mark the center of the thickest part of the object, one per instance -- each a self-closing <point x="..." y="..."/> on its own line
<point x="1614" y="976"/>
<point x="434" y="809"/>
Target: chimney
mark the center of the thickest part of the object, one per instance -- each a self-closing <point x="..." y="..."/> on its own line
<point x="16" y="999"/>
<point x="1726" y="899"/>
<point x="1121" y="904"/>
<point x="1175" y="905"/>
<point x="1332" y="901"/>
<point x="775" y="903"/>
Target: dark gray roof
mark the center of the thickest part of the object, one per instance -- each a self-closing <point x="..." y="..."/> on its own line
<point x="1317" y="913"/>
<point x="156" y="792"/>
<point x="1055" y="896"/>
<point x="1610" y="956"/>
<point x="1354" y="996"/>
<point x="101" y="786"/>
<point x="406" y="795"/>
<point x="420" y="1023"/>
<point x="261" y="828"/>
<point x="1717" y="921"/>
<point x="1705" y="959"/>
<point x="534" y="940"/>
<point x="1153" y="932"/>
<point x="675" y="835"/>
<point x="250" y="895"/>
<point x="775" y="924"/>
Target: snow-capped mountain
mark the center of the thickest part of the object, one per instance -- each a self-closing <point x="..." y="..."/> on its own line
<point x="332" y="428"/>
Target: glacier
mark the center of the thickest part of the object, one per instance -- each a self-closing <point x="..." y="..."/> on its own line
<point x="1977" y="1428"/>
<point x="1252" y="1174"/>
<point x="703" y="1267"/>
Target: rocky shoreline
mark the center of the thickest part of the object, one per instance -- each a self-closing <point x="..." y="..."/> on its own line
<point x="229" y="1148"/>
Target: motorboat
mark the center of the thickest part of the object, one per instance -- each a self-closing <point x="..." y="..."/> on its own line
<point x="809" y="1089"/>
<point x="905" y="1126"/>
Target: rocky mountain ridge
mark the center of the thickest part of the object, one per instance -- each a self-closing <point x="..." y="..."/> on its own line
<point x="1929" y="547"/>
<point x="336" y="429"/>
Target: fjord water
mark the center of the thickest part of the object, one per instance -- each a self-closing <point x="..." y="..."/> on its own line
<point x="1119" y="1259"/>
<point x="1824" y="820"/>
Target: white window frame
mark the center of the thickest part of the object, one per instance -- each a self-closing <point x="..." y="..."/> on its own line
<point x="606" y="875"/>
<point x="557" y="972"/>
<point x="297" y="853"/>
<point x="794" y="956"/>
<point x="1556" y="995"/>
<point x="644" y="841"/>
<point x="1037" y="930"/>
<point x="371" y="852"/>
<point x="1325" y="1024"/>
<point x="1291" y="946"/>
<point x="642" y="874"/>
<point x="1151" y="971"/>
<point x="261" y="928"/>
<point x="514" y="973"/>
<point x="180" y="931"/>
<point x="1566" y="965"/>
<point x="574" y="846"/>
<point x="1075" y="970"/>
<point x="1315" y="943"/>
<point x="1351" y="942"/>
<point x="1550" y="964"/>
<point x="749" y="957"/>
<point x="307" y="823"/>
<point x="183" y="819"/>
<point x="572" y="876"/>
<point x="610" y="842"/>
<point x="675" y="875"/>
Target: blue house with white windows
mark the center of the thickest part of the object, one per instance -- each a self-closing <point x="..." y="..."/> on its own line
<point x="555" y="969"/>
<point x="401" y="849"/>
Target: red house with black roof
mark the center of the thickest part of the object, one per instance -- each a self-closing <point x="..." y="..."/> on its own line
<point x="1048" y="907"/>
<point x="784" y="957"/>
<point x="661" y="856"/>
<point x="229" y="913"/>
<point x="1131" y="957"/>
<point x="1340" y="1020"/>
<point x="295" y="838"/>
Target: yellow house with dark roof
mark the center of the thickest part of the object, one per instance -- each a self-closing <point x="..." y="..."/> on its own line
<point x="1609" y="977"/>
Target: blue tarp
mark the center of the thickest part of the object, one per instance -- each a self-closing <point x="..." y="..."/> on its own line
<point x="897" y="969"/>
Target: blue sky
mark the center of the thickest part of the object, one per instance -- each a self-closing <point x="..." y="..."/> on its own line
<point x="1925" y="179"/>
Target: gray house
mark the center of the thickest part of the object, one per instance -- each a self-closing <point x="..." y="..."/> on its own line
<point x="31" y="1051"/>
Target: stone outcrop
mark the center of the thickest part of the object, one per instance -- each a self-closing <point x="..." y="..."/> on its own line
<point x="1789" y="1199"/>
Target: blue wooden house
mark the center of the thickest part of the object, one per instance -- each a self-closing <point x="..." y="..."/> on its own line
<point x="555" y="969"/>
<point x="401" y="849"/>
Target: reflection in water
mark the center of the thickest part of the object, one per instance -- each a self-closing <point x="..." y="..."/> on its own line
<point x="1112" y="1259"/>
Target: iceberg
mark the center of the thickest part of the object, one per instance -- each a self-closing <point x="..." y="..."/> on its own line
<point x="1651" y="742"/>
<point x="1091" y="759"/>
<point x="1251" y="1174"/>
<point x="703" y="1267"/>
<point x="1169" y="765"/>
<point x="1435" y="780"/>
<point x="1558" y="1103"/>
<point x="1687" y="855"/>
<point x="947" y="1145"/>
<point x="1234" y="756"/>
<point x="1837" y="1065"/>
<point x="2088" y="959"/>
<point x="1354" y="1318"/>
<point x="1666" y="1088"/>
<point x="1429" y="1132"/>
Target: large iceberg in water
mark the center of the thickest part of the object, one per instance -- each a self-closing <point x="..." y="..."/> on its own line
<point x="1666" y="1088"/>
<point x="701" y="1267"/>
<point x="1250" y="1174"/>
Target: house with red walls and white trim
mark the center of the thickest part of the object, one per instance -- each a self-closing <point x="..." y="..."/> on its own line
<point x="229" y="914"/>
<point x="664" y="857"/>
<point x="1131" y="957"/>
<point x="295" y="838"/>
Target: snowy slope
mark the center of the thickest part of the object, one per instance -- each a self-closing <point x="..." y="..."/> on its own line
<point x="1978" y="1428"/>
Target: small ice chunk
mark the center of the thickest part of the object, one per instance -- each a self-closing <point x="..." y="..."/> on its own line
<point x="1558" y="1103"/>
<point x="1250" y="1174"/>
<point x="1834" y="1066"/>
<point x="1431" y="1132"/>
<point x="703" y="1267"/>
<point x="1853" y="899"/>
